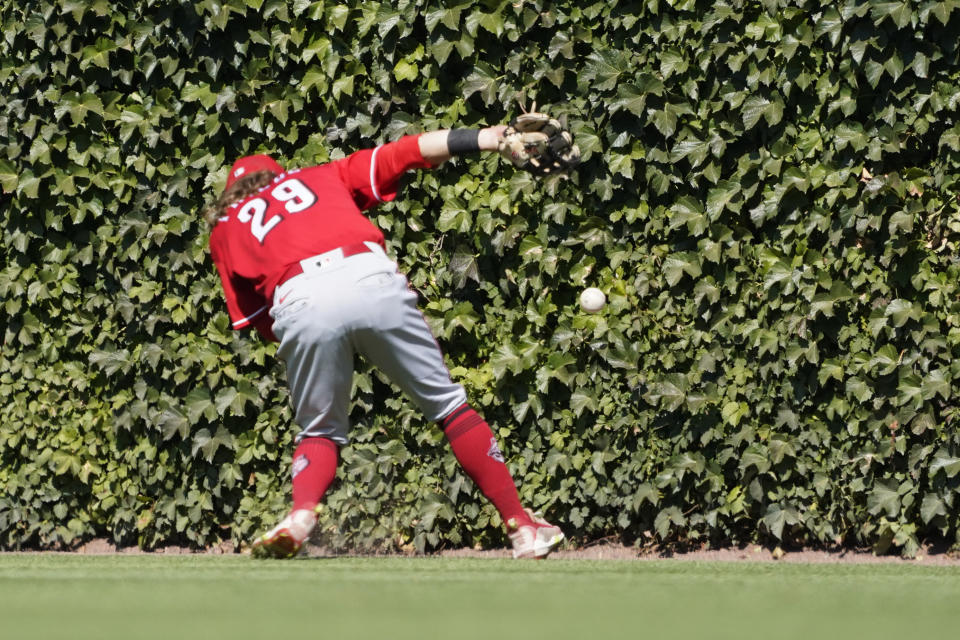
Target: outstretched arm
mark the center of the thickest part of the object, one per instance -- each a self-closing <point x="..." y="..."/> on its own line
<point x="373" y="174"/>
<point x="438" y="146"/>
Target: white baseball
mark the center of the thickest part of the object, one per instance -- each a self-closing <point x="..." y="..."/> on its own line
<point x="592" y="300"/>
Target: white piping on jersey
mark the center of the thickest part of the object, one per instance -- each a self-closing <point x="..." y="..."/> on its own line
<point x="239" y="324"/>
<point x="373" y="182"/>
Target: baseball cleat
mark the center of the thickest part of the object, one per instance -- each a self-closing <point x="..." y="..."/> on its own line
<point x="286" y="539"/>
<point x="534" y="540"/>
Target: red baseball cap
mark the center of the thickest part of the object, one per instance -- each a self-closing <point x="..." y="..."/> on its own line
<point x="250" y="164"/>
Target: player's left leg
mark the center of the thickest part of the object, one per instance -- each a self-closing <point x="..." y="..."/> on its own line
<point x="313" y="470"/>
<point x="319" y="363"/>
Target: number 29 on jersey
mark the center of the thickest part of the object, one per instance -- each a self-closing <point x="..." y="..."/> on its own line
<point x="291" y="193"/>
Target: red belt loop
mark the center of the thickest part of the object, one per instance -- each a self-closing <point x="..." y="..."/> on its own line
<point x="293" y="270"/>
<point x="354" y="249"/>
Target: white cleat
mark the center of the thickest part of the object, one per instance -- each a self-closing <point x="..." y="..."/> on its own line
<point x="533" y="540"/>
<point x="286" y="539"/>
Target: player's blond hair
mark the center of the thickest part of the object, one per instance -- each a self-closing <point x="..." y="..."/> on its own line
<point x="235" y="193"/>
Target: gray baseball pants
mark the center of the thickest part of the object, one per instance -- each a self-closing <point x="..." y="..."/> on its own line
<point x="359" y="304"/>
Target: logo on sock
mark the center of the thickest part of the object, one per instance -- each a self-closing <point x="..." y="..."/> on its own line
<point x="494" y="451"/>
<point x="300" y="463"/>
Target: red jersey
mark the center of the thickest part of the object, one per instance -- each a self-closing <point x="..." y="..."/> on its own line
<point x="302" y="213"/>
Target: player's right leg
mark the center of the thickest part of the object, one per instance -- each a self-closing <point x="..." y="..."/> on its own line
<point x="405" y="349"/>
<point x="534" y="539"/>
<point x="476" y="449"/>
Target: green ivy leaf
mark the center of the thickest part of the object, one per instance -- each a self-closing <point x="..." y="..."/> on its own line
<point x="944" y="461"/>
<point x="900" y="311"/>
<point x="885" y="498"/>
<point x="8" y="176"/>
<point x="777" y="517"/>
<point x="900" y="12"/>
<point x="722" y="197"/>
<point x="406" y="71"/>
<point x="932" y="507"/>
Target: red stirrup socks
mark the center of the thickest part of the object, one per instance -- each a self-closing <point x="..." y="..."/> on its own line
<point x="314" y="467"/>
<point x="476" y="449"/>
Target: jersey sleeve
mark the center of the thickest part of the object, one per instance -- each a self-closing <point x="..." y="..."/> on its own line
<point x="373" y="175"/>
<point x="245" y="306"/>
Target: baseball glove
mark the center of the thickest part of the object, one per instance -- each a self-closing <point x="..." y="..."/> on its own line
<point x="537" y="143"/>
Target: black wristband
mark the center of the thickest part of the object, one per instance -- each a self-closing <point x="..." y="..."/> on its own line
<point x="463" y="141"/>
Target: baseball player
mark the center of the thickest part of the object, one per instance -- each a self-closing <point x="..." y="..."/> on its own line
<point x="301" y="264"/>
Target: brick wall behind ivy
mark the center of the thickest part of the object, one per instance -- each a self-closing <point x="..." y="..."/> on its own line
<point x="769" y="199"/>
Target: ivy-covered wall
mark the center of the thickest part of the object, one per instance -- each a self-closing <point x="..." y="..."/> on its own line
<point x="768" y="198"/>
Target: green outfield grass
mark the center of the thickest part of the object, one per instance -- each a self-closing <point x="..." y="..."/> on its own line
<point x="50" y="596"/>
